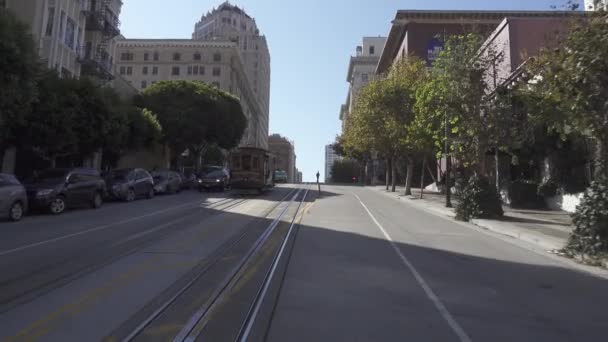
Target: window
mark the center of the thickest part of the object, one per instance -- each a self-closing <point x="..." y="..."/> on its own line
<point x="126" y="56"/>
<point x="201" y="70"/>
<point x="156" y="56"/>
<point x="217" y="57"/>
<point x="256" y="163"/>
<point x="364" y="77"/>
<point x="155" y="70"/>
<point x="372" y="50"/>
<point x="217" y="71"/>
<point x="50" y="21"/>
<point x="70" y="30"/>
<point x="144" y="84"/>
<point x="146" y="56"/>
<point x="129" y="70"/>
<point x="195" y="70"/>
<point x="177" y="56"/>
<point x="123" y="70"/>
<point x="246" y="163"/>
<point x="197" y="56"/>
<point x="175" y="71"/>
<point x="189" y="69"/>
<point x="144" y="70"/>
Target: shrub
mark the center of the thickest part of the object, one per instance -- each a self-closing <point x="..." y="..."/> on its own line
<point x="478" y="199"/>
<point x="590" y="235"/>
<point x="523" y="193"/>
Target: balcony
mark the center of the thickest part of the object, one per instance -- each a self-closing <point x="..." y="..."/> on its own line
<point x="104" y="21"/>
<point x="97" y="63"/>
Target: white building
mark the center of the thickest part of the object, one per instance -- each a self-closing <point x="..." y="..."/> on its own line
<point x="143" y="62"/>
<point x="361" y="69"/>
<point x="330" y="158"/>
<point x="229" y="22"/>
<point x="592" y="5"/>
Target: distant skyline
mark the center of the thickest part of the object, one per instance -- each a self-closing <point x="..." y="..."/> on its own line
<point x="310" y="45"/>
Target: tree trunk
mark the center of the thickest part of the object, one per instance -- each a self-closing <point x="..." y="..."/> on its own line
<point x="497" y="166"/>
<point x="431" y="172"/>
<point x="387" y="176"/>
<point x="448" y="182"/>
<point x="422" y="177"/>
<point x="393" y="175"/>
<point x="409" y="177"/>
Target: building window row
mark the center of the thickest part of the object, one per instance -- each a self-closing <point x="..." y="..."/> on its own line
<point x="126" y="70"/>
<point x="196" y="70"/>
<point x="126" y="56"/>
<point x="129" y="56"/>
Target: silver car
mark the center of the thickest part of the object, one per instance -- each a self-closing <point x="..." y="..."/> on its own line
<point x="13" y="198"/>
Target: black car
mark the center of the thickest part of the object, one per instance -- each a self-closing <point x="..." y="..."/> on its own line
<point x="167" y="181"/>
<point x="129" y="184"/>
<point x="58" y="189"/>
<point x="214" y="179"/>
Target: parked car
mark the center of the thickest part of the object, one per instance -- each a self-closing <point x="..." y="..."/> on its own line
<point x="129" y="184"/>
<point x="166" y="182"/>
<point x="214" y="179"/>
<point x="13" y="198"/>
<point x="58" y="189"/>
<point x="280" y="176"/>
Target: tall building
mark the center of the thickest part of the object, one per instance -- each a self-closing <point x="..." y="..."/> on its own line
<point x="330" y="158"/>
<point x="73" y="37"/>
<point x="284" y="154"/>
<point x="593" y="5"/>
<point x="229" y="22"/>
<point x="143" y="62"/>
<point x="361" y="69"/>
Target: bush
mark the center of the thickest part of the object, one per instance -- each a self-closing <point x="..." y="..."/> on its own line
<point x="524" y="194"/>
<point x="590" y="235"/>
<point x="478" y="199"/>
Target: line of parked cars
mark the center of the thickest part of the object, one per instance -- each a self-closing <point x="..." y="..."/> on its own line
<point x="55" y="190"/>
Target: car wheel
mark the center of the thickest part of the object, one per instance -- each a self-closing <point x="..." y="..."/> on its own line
<point x="130" y="195"/>
<point x="16" y="211"/>
<point x="57" y="205"/>
<point x="97" y="201"/>
<point x="150" y="194"/>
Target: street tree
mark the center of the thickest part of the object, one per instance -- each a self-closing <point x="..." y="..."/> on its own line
<point x="569" y="88"/>
<point x="18" y="70"/>
<point x="195" y="116"/>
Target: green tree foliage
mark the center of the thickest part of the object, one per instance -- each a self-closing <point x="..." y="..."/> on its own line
<point x="590" y="236"/>
<point x="478" y="199"/>
<point x="18" y="69"/>
<point x="195" y="116"/>
<point x="569" y="88"/>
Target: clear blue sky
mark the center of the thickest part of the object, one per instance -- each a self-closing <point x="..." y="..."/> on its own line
<point x="310" y="44"/>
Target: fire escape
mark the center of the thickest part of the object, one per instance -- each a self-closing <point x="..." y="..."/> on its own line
<point x="102" y="25"/>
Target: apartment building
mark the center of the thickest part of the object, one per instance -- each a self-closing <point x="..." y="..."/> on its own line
<point x="143" y="62"/>
<point x="330" y="158"/>
<point x="229" y="22"/>
<point x="283" y="151"/>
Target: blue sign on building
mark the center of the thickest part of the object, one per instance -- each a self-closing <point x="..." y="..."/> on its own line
<point x="433" y="49"/>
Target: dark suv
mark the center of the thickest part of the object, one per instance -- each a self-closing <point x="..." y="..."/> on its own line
<point x="214" y="179"/>
<point x="58" y="189"/>
<point x="129" y="184"/>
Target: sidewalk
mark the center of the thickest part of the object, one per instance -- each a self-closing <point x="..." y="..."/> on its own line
<point x="547" y="229"/>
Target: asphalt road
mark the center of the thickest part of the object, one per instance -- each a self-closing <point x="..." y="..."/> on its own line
<point x="366" y="267"/>
<point x="78" y="276"/>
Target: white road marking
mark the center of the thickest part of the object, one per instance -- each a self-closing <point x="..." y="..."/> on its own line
<point x="447" y="316"/>
<point x="94" y="229"/>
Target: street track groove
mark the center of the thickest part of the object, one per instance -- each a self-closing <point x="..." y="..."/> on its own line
<point x="204" y="268"/>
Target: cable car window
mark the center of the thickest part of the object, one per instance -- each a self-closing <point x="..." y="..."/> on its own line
<point x="247" y="163"/>
<point x="256" y="163"/>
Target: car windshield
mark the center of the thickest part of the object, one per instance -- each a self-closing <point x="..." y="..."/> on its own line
<point x="215" y="174"/>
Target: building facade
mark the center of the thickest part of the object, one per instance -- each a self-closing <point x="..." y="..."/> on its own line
<point x="73" y="37"/>
<point x="330" y="158"/>
<point x="231" y="23"/>
<point x="283" y="151"/>
<point x="143" y="62"/>
<point x="361" y="69"/>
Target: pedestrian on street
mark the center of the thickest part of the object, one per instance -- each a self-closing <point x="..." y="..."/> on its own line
<point x="318" y="183"/>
